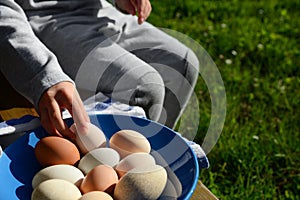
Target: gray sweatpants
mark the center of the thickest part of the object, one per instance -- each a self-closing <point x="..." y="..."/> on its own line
<point x="104" y="50"/>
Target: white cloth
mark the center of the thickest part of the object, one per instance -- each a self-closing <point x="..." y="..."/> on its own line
<point x="106" y="106"/>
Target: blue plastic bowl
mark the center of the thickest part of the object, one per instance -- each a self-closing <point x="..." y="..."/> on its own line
<point x="18" y="164"/>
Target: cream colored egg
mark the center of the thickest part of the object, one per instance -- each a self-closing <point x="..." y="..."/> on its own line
<point x="129" y="141"/>
<point x="65" y="172"/>
<point x="99" y="156"/>
<point x="141" y="183"/>
<point x="94" y="138"/>
<point x="134" y="160"/>
<point x="56" y="189"/>
<point x="96" y="195"/>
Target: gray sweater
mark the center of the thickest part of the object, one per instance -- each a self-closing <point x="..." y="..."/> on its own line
<point x="25" y="61"/>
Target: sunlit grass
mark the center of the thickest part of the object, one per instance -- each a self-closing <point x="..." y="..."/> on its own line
<point x="255" y="45"/>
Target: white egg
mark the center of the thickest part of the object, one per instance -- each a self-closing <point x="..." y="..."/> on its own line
<point x="132" y="161"/>
<point x="173" y="187"/>
<point x="170" y="191"/>
<point x="56" y="189"/>
<point x="65" y="172"/>
<point x="99" y="156"/>
<point x="94" y="138"/>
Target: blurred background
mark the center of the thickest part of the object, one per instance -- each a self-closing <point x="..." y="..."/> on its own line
<point x="255" y="45"/>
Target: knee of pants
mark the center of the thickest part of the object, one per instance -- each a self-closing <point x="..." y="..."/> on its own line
<point x="192" y="67"/>
<point x="150" y="94"/>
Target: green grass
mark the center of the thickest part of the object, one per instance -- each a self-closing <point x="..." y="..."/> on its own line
<point x="257" y="155"/>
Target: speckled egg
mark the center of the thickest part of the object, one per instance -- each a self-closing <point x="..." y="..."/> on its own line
<point x="141" y="183"/>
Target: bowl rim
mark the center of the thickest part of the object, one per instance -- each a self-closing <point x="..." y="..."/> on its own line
<point x="193" y="185"/>
<point x="194" y="157"/>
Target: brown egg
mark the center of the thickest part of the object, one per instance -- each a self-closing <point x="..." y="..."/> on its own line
<point x="55" y="150"/>
<point x="100" y="178"/>
<point x="126" y="142"/>
<point x="96" y="195"/>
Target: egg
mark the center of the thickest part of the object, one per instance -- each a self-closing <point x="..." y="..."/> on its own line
<point x="65" y="172"/>
<point x="173" y="188"/>
<point x="132" y="161"/>
<point x="53" y="150"/>
<point x="129" y="141"/>
<point x="100" y="156"/>
<point x="56" y="189"/>
<point x="141" y="183"/>
<point x="169" y="192"/>
<point x="90" y="140"/>
<point x="100" y="178"/>
<point x="96" y="195"/>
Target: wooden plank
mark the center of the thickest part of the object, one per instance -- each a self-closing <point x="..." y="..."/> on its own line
<point x="15" y="113"/>
<point x="202" y="193"/>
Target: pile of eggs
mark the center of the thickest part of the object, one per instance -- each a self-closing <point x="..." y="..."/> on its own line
<point x="89" y="168"/>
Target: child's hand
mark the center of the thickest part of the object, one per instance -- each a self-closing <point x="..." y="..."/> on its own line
<point x="58" y="97"/>
<point x="141" y="8"/>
